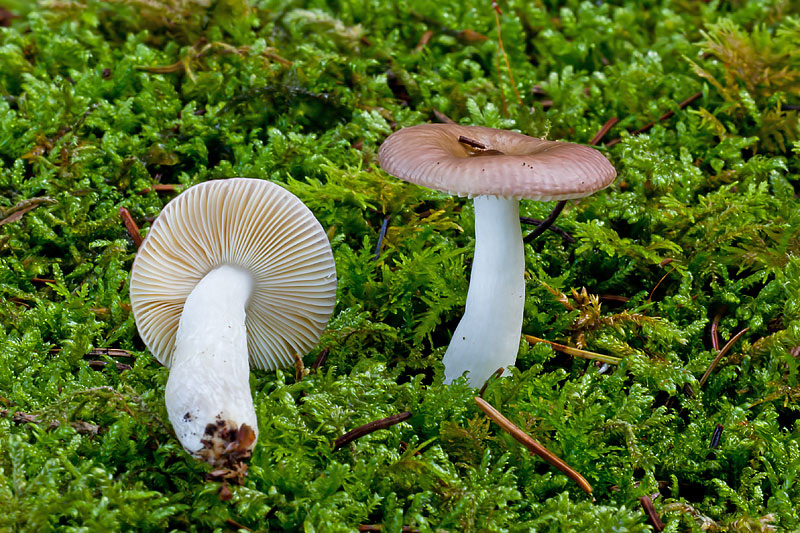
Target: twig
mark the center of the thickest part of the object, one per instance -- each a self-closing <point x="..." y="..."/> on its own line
<point x="576" y="352"/>
<point x="720" y="355"/>
<point x="715" y="328"/>
<point x="546" y="223"/>
<point x="130" y="225"/>
<point x="366" y="429"/>
<point x="555" y="229"/>
<point x="530" y="443"/>
<point x="650" y="511"/>
<point x="496" y="374"/>
<point x="471" y="142"/>
<point x="662" y="117"/>
<point x="321" y="358"/>
<point x="381" y="235"/>
<point x="602" y="131"/>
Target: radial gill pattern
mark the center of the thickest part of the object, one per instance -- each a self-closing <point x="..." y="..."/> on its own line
<point x="253" y="224"/>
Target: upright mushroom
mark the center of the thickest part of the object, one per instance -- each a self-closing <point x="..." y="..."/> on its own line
<point x="233" y="272"/>
<point x="496" y="168"/>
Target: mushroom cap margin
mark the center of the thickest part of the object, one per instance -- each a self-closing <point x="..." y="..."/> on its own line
<point x="432" y="156"/>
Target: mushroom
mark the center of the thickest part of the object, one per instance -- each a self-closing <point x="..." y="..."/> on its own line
<point x="496" y="168"/>
<point x="232" y="273"/>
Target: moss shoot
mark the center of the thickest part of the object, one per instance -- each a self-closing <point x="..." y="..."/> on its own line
<point x="693" y="253"/>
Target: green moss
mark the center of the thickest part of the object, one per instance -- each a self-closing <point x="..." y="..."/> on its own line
<point x="99" y="101"/>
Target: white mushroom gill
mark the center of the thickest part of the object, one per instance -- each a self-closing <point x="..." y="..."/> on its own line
<point x="232" y="274"/>
<point x="487" y="338"/>
<point x="208" y="389"/>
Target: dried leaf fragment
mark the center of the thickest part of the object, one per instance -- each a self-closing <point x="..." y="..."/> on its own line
<point x="14" y="213"/>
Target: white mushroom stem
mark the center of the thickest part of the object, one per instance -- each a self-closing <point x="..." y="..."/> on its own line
<point x="487" y="338"/>
<point x="209" y="377"/>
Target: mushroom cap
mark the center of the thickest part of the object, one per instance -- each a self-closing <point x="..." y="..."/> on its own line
<point x="511" y="165"/>
<point x="253" y="224"/>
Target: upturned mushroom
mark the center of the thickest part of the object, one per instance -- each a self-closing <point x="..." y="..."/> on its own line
<point x="496" y="168"/>
<point x="232" y="273"/>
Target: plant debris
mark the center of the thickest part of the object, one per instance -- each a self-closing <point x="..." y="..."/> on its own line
<point x="681" y="276"/>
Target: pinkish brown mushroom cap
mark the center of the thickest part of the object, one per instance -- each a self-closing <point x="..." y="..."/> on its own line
<point x="496" y="168"/>
<point x="489" y="161"/>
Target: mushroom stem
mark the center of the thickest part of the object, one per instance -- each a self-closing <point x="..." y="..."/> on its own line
<point x="208" y="391"/>
<point x="489" y="332"/>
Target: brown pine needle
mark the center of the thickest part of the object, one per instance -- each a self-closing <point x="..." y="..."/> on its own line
<point x="502" y="92"/>
<point x="497" y="373"/>
<point x="669" y="113"/>
<point x="159" y="187"/>
<point x="650" y="296"/>
<point x="715" y="328"/>
<point x="441" y="117"/>
<point x="110" y="352"/>
<point x="720" y="355"/>
<point x="426" y="37"/>
<point x="503" y="50"/>
<point x="665" y="116"/>
<point x="321" y="358"/>
<point x="602" y="132"/>
<point x="371" y="427"/>
<point x="131" y="226"/>
<point x="530" y="443"/>
<point x="575" y="352"/>
<point x="377" y="527"/>
<point x="650" y="511"/>
<point x="236" y="525"/>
